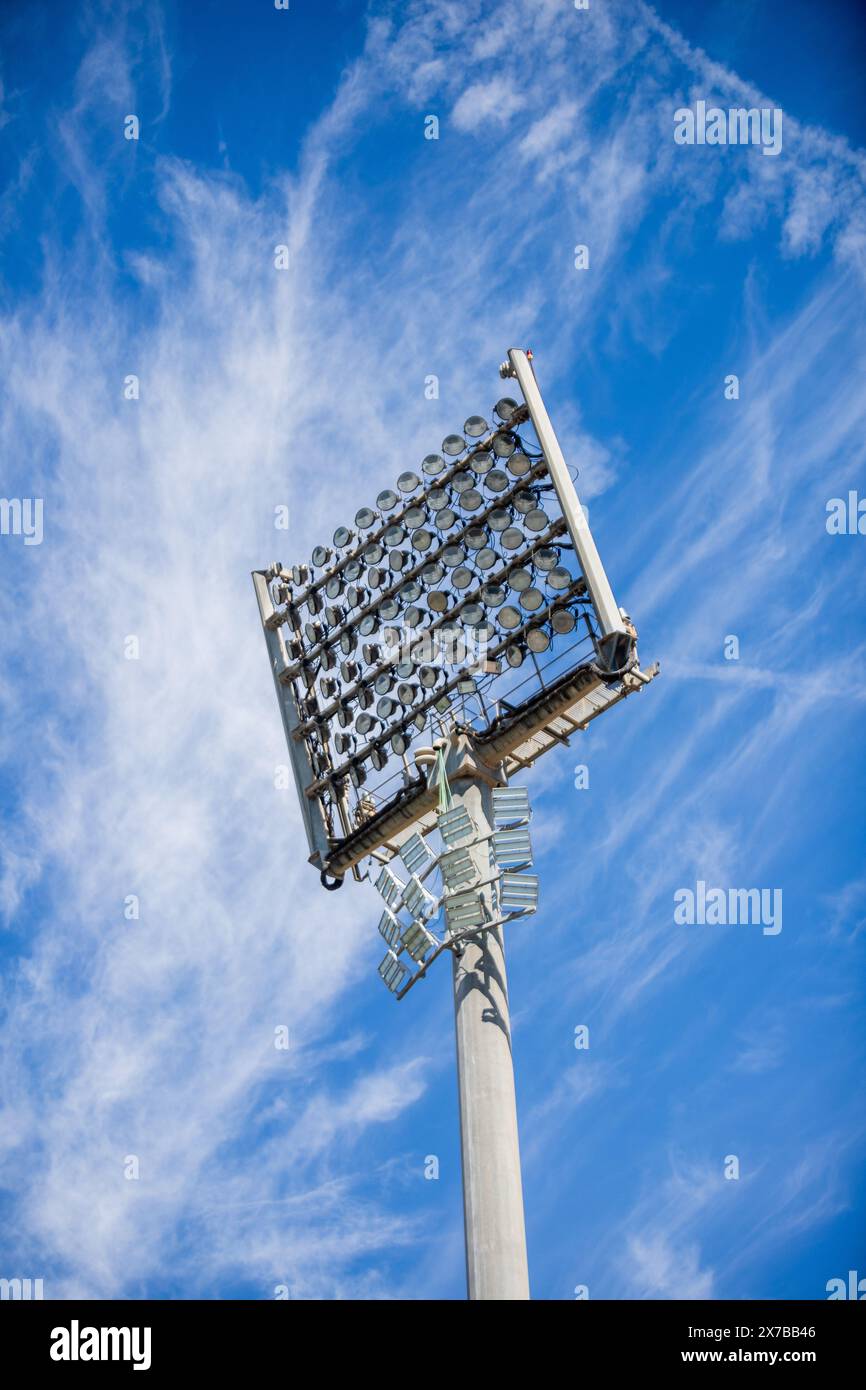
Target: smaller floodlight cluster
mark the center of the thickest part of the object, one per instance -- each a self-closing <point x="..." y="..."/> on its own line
<point x="476" y="891"/>
<point x="422" y="608"/>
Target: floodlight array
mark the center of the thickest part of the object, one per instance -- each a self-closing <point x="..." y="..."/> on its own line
<point x="472" y="899"/>
<point x="428" y="605"/>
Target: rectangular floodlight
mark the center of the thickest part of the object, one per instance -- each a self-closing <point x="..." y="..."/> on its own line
<point x="390" y="927"/>
<point x="419" y="902"/>
<point x="471" y="594"/>
<point x="418" y="941"/>
<point x="458" y="868"/>
<point x="465" y="910"/>
<point x="456" y="825"/>
<point x="390" y="886"/>
<point x="417" y="855"/>
<point x="518" y="893"/>
<point x="393" y="972"/>
<point x="511" y="806"/>
<point x="512" y="847"/>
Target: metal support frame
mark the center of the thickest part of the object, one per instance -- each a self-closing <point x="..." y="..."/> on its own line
<point x="615" y="639"/>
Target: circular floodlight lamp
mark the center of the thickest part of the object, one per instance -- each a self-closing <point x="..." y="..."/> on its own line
<point x="462" y="577"/>
<point x="438" y="498"/>
<point x="504" y="445"/>
<point x="389" y="609"/>
<point x="383" y="682"/>
<point x="438" y="600"/>
<point x="520" y="578"/>
<point x="472" y="615"/>
<point x="475" y="426"/>
<point x="546" y="558"/>
<point x="401" y="741"/>
<point x="367" y="626"/>
<point x="563" y="620"/>
<point x="375" y="577"/>
<point x="433" y="572"/>
<point x="394" y="535"/>
<point x="364" y="723"/>
<point x="559" y="578"/>
<point x="475" y="537"/>
<point x="334" y="587"/>
<point x="341" y="537"/>
<point x="410" y="593"/>
<point x="453" y="555"/>
<point x="504" y="409"/>
<point x="433" y="465"/>
<point x="536" y="520"/>
<point x="493" y="595"/>
<point x="510" y="617"/>
<point x="365" y="518"/>
<point x="512" y="538"/>
<point x="348" y="642"/>
<point x="496" y="480"/>
<point x="515" y="655"/>
<point x="445" y="519"/>
<point x="321" y="555"/>
<point x="422" y="539"/>
<point x="415" y="516"/>
<point x="525" y="502"/>
<point x="481" y="463"/>
<point x="462" y="482"/>
<point x="373" y="553"/>
<point x="537" y="639"/>
<point x="387" y="500"/>
<point x="428" y="676"/>
<point x="353" y="570"/>
<point x="453" y="444"/>
<point x="471" y="500"/>
<point x="408" y="482"/>
<point x="378" y="758"/>
<point x="486" y="558"/>
<point x="519" y="465"/>
<point x="500" y="519"/>
<point x="386" y="707"/>
<point x="532" y="599"/>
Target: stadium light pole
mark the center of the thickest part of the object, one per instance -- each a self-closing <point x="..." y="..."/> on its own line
<point x="463" y="604"/>
<point x="496" y="1262"/>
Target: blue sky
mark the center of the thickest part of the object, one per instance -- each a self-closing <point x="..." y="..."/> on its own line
<point x="154" y="1037"/>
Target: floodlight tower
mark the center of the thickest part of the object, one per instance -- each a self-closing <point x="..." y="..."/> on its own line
<point x="436" y="602"/>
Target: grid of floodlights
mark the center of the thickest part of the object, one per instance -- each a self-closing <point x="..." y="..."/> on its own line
<point x="472" y="896"/>
<point x="453" y="597"/>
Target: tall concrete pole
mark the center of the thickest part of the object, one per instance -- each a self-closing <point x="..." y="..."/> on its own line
<point x="496" y="1265"/>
